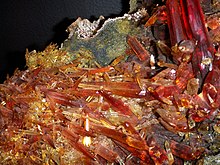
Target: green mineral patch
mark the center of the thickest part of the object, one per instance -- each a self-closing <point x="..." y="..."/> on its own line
<point x="108" y="43"/>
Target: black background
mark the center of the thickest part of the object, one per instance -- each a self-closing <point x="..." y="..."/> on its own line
<point x="33" y="24"/>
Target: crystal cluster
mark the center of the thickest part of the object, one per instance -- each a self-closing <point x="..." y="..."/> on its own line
<point x="120" y="91"/>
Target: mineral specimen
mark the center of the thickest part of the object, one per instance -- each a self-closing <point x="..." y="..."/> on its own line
<point x="119" y="91"/>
